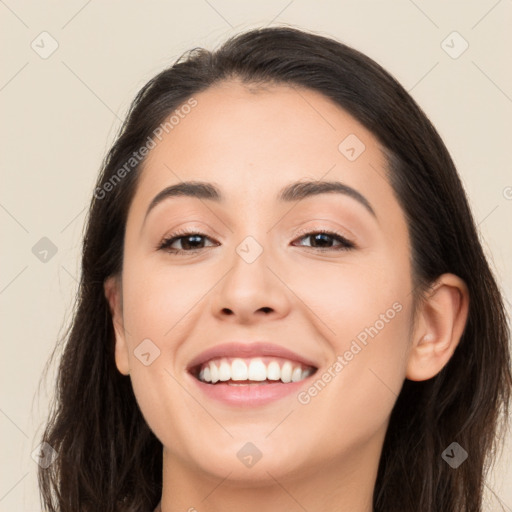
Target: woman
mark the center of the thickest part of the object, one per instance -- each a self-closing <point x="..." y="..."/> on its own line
<point x="284" y="303"/>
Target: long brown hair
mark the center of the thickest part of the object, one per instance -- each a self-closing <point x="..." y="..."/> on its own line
<point x="110" y="460"/>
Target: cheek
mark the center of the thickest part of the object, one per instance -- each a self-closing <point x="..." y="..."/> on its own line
<point x="156" y="302"/>
<point x="158" y="297"/>
<point x="348" y="296"/>
<point x="356" y="393"/>
<point x="364" y="313"/>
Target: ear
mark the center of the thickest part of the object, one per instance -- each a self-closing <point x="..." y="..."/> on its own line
<point x="113" y="294"/>
<point x="439" y="327"/>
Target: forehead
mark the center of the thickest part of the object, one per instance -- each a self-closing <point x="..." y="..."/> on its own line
<point x="252" y="141"/>
<point x="289" y="123"/>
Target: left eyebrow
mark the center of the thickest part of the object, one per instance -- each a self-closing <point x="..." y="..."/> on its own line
<point x="302" y="189"/>
<point x="292" y="192"/>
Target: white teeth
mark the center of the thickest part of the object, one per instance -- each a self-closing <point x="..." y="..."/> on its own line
<point x="296" y="374"/>
<point x="238" y="370"/>
<point x="214" y="371"/>
<point x="257" y="370"/>
<point x="273" y="371"/>
<point x="224" y="370"/>
<point x="286" y="372"/>
<point x="252" y="370"/>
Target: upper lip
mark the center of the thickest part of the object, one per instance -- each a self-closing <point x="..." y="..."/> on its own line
<point x="246" y="350"/>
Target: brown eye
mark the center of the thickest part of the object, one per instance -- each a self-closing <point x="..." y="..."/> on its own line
<point x="325" y="240"/>
<point x="189" y="242"/>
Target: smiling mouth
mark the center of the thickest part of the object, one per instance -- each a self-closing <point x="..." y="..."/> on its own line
<point x="252" y="371"/>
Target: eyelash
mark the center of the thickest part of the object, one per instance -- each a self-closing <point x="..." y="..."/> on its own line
<point x="168" y="241"/>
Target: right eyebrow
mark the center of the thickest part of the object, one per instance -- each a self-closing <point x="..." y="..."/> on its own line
<point x="199" y="189"/>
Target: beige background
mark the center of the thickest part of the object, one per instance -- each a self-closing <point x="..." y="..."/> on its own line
<point x="60" y="114"/>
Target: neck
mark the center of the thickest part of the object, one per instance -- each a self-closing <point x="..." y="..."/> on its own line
<point x="329" y="487"/>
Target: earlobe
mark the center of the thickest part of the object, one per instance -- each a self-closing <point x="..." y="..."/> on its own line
<point x="440" y="325"/>
<point x="113" y="294"/>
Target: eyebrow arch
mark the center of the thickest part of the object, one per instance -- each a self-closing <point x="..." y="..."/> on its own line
<point x="302" y="189"/>
<point x="292" y="192"/>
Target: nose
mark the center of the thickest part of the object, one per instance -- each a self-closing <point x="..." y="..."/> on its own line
<point x="251" y="292"/>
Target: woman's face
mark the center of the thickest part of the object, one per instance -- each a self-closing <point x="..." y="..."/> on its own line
<point x="258" y="277"/>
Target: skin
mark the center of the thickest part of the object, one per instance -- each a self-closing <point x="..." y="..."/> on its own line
<point x="323" y="455"/>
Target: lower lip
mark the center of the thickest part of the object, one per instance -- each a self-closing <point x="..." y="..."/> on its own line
<point x="249" y="395"/>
